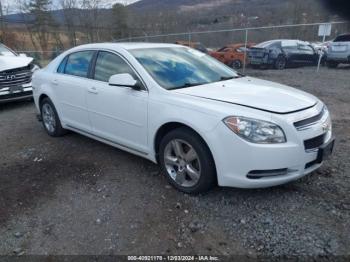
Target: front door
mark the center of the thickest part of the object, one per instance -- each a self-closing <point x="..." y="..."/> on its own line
<point x="307" y="54"/>
<point x="117" y="114"/>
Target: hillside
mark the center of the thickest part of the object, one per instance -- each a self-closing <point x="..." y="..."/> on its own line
<point x="154" y="17"/>
<point x="210" y="14"/>
<point x="270" y="11"/>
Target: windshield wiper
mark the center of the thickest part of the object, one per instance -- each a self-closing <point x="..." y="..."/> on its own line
<point x="224" y="78"/>
<point x="186" y="85"/>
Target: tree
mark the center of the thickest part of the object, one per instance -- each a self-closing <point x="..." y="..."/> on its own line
<point x="90" y="19"/>
<point x="40" y="23"/>
<point x="2" y="24"/>
<point x="69" y="8"/>
<point x="119" y="20"/>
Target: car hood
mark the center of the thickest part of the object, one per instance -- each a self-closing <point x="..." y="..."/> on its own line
<point x="254" y="93"/>
<point x="12" y="62"/>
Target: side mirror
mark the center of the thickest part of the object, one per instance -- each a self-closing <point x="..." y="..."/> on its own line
<point x="124" y="80"/>
<point x="22" y="55"/>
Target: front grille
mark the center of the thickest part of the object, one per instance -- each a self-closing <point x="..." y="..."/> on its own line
<point x="309" y="121"/>
<point x="16" y="77"/>
<point x="315" y="142"/>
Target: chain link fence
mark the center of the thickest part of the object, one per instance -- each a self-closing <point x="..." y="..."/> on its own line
<point x="217" y="39"/>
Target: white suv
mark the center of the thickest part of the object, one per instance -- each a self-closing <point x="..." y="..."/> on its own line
<point x="200" y="120"/>
<point x="15" y="75"/>
<point x="339" y="51"/>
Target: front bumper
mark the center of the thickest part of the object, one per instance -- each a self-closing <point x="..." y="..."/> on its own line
<point x="339" y="57"/>
<point x="6" y="95"/>
<point x="236" y="159"/>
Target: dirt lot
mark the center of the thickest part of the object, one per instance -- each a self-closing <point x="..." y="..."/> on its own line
<point x="73" y="195"/>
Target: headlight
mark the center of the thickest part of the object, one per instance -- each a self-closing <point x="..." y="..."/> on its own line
<point x="255" y="131"/>
<point x="35" y="67"/>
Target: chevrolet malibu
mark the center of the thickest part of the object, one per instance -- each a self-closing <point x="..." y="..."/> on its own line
<point x="203" y="123"/>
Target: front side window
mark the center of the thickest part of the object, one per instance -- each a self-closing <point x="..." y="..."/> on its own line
<point x="180" y="67"/>
<point x="108" y="64"/>
<point x="62" y="66"/>
<point x="78" y="63"/>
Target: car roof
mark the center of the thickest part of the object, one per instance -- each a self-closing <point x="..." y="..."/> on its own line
<point x="284" y="41"/>
<point x="126" y="45"/>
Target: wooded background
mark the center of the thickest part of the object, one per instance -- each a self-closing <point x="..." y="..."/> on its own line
<point x="47" y="27"/>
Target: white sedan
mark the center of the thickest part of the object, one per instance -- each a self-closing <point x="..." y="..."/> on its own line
<point x="204" y="123"/>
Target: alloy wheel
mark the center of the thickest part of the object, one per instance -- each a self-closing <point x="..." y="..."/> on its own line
<point x="281" y="63"/>
<point x="48" y="116"/>
<point x="237" y="64"/>
<point x="182" y="163"/>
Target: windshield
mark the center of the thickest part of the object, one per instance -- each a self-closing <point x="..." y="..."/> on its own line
<point x="342" y="38"/>
<point x="6" y="51"/>
<point x="267" y="44"/>
<point x="180" y="67"/>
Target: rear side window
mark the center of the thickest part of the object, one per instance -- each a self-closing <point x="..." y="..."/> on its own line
<point x="78" y="63"/>
<point x="342" y="38"/>
<point x="108" y="64"/>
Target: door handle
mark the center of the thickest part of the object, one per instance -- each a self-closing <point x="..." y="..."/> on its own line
<point x="92" y="90"/>
<point x="54" y="82"/>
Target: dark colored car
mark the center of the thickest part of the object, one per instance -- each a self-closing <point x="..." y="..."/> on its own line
<point x="280" y="54"/>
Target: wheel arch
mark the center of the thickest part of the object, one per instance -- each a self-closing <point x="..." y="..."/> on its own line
<point x="41" y="98"/>
<point x="169" y="126"/>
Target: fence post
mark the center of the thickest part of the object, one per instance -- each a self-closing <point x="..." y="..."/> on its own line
<point x="320" y="53"/>
<point x="245" y="50"/>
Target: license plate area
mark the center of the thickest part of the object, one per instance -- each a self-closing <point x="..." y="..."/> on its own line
<point x="255" y="61"/>
<point x="339" y="48"/>
<point x="325" y="151"/>
<point x="15" y="89"/>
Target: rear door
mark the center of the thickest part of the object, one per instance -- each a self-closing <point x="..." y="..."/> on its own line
<point x="70" y="87"/>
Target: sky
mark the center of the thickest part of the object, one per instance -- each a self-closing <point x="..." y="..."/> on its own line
<point x="11" y="6"/>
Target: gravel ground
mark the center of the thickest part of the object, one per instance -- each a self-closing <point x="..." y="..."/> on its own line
<point x="73" y="195"/>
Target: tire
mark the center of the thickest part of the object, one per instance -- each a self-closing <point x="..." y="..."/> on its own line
<point x="280" y="63"/>
<point x="332" y="64"/>
<point x="236" y="64"/>
<point x="50" y="119"/>
<point x="192" y="170"/>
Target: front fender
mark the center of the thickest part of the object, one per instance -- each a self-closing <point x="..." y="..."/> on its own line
<point x="200" y="121"/>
